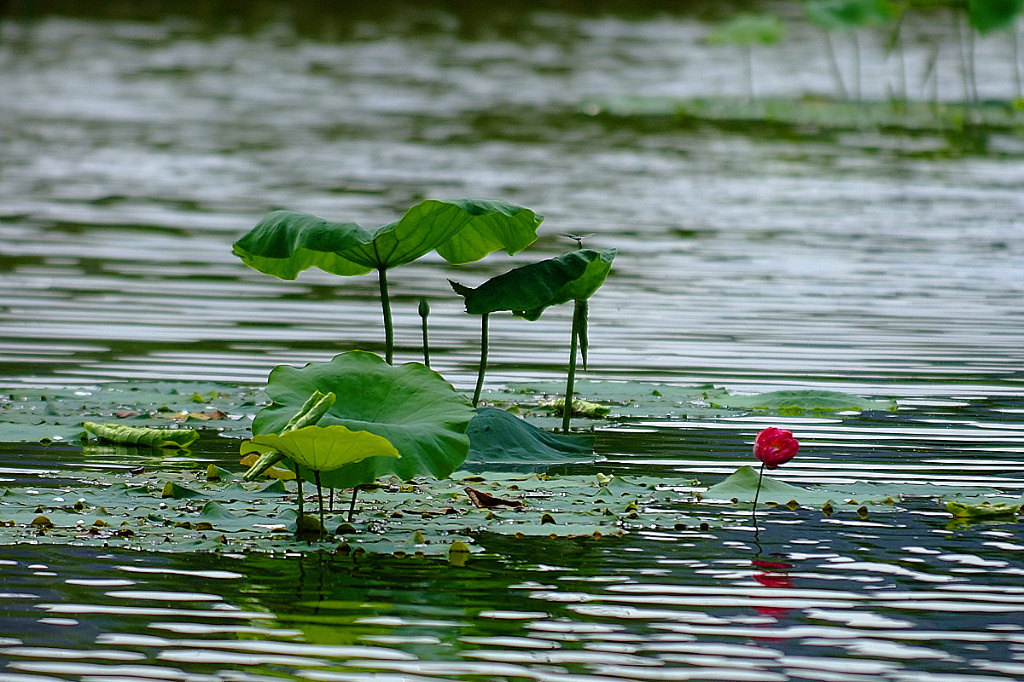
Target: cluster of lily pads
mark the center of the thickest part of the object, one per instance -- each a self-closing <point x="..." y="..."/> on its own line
<point x="351" y="421"/>
<point x="419" y="452"/>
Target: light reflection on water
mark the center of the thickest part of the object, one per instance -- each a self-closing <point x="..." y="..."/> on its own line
<point x="883" y="265"/>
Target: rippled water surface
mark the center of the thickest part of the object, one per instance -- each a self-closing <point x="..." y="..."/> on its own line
<point x="133" y="153"/>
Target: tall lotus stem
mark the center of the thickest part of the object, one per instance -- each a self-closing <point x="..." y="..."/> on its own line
<point x="837" y="74"/>
<point x="483" y="359"/>
<point x="320" y="500"/>
<point x="578" y="320"/>
<point x="1016" y="63"/>
<point x="352" y="506"/>
<point x="424" y="311"/>
<point x="385" y="302"/>
<point x="298" y="481"/>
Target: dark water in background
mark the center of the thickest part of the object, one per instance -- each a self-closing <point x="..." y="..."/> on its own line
<point x="134" y="152"/>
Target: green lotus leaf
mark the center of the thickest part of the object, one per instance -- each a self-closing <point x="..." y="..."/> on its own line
<point x="530" y="287"/>
<point x="328" y="448"/>
<point x="992" y="15"/>
<point x="848" y="15"/>
<point x="742" y="485"/>
<point x="462" y="230"/>
<point x="134" y="435"/>
<point x="581" y="288"/>
<point x="285" y="243"/>
<point x="411" y="406"/>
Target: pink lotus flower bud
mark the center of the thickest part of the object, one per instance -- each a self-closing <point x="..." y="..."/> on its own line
<point x="775" y="446"/>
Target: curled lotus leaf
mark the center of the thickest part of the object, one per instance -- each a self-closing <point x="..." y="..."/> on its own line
<point x="328" y="448"/>
<point x="134" y="435"/>
<point x="285" y="243"/>
<point x="529" y="289"/>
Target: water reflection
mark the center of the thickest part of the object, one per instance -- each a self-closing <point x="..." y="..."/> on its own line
<point x="631" y="609"/>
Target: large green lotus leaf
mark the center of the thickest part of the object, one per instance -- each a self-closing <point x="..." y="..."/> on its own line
<point x="533" y="286"/>
<point x="327" y="448"/>
<point x="580" y="288"/>
<point x="462" y="230"/>
<point x="497" y="437"/>
<point x="285" y="243"/>
<point x="992" y="15"/>
<point x="410" y="405"/>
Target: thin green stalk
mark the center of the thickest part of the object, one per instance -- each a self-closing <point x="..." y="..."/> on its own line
<point x="385" y="302"/>
<point x="750" y="73"/>
<point x="483" y="359"/>
<point x="972" y="70"/>
<point x="856" y="67"/>
<point x="964" y="69"/>
<point x="1016" y="63"/>
<point x="352" y="507"/>
<point x="753" y="511"/>
<point x="577" y="316"/>
<point x="834" y="63"/>
<point x="320" y="500"/>
<point x="298" y="481"/>
<point x="424" y="311"/>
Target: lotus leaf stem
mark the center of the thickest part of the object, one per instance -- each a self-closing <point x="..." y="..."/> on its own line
<point x="298" y="482"/>
<point x="483" y="359"/>
<point x="385" y="302"/>
<point x="834" y="64"/>
<point x="352" y="507"/>
<point x="320" y="501"/>
<point x="578" y="315"/>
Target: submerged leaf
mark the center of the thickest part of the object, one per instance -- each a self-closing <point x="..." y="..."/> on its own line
<point x="796" y="401"/>
<point x="327" y="448"/>
<point x="133" y="435"/>
<point x="982" y="510"/>
<point x="497" y="437"/>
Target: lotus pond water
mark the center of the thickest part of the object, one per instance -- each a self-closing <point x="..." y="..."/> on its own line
<point x="848" y="271"/>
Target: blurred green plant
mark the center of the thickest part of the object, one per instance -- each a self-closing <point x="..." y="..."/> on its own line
<point x="747" y="31"/>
